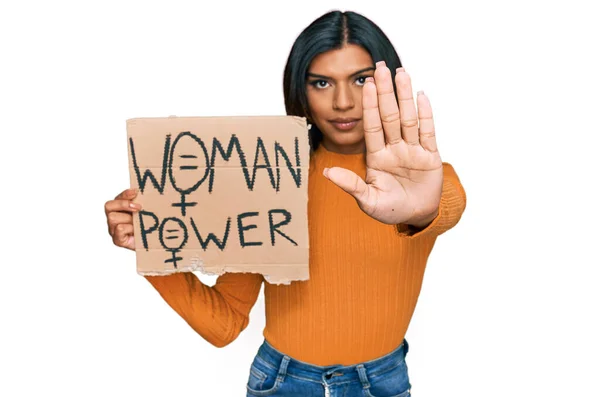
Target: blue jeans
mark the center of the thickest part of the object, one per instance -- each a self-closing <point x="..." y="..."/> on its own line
<point x="275" y="374"/>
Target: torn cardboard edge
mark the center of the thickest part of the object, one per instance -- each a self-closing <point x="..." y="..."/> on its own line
<point x="270" y="277"/>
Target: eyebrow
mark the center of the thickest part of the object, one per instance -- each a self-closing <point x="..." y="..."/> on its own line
<point x="353" y="74"/>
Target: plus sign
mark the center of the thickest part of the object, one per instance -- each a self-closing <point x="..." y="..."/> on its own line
<point x="183" y="204"/>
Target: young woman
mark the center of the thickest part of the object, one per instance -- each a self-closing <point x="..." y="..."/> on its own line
<point x="379" y="195"/>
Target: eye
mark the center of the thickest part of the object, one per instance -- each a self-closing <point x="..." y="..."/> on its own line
<point x="361" y="80"/>
<point x="320" y="84"/>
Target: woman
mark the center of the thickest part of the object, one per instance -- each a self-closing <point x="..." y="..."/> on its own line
<point x="379" y="195"/>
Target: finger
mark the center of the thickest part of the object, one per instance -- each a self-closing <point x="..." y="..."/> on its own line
<point x="388" y="105"/>
<point x="123" y="236"/>
<point x="408" y="113"/>
<point x="117" y="218"/>
<point x="350" y="183"/>
<point x="121" y="205"/>
<point x="374" y="140"/>
<point x="128" y="194"/>
<point x="426" y="126"/>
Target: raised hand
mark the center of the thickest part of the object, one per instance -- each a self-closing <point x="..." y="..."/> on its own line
<point x="403" y="183"/>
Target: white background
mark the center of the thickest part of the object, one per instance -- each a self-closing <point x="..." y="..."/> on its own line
<point x="510" y="300"/>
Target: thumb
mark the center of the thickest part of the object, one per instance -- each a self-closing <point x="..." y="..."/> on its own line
<point x="130" y="243"/>
<point x="349" y="182"/>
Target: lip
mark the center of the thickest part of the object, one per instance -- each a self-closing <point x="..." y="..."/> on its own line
<point x="344" y="124"/>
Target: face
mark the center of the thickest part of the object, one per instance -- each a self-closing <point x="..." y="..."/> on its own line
<point x="334" y="90"/>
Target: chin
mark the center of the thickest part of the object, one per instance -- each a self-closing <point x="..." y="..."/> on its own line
<point x="350" y="138"/>
<point x="353" y="136"/>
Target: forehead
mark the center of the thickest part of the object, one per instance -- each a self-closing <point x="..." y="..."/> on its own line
<point x="341" y="62"/>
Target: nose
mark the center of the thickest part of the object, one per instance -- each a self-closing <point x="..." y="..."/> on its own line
<point x="343" y="99"/>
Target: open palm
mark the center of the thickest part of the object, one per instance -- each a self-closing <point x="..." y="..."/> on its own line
<point x="403" y="183"/>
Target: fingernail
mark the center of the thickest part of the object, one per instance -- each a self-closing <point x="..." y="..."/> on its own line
<point x="134" y="206"/>
<point x="325" y="171"/>
<point x="420" y="93"/>
<point x="371" y="79"/>
<point x="399" y="70"/>
<point x="380" y="64"/>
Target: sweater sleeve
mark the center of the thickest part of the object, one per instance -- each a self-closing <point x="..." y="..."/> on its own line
<point x="452" y="205"/>
<point x="218" y="313"/>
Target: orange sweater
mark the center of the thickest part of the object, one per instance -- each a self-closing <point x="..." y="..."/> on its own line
<point x="365" y="279"/>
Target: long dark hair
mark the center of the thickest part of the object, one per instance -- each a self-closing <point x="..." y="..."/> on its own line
<point x="331" y="31"/>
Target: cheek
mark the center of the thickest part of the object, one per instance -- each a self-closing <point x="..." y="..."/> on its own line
<point x="319" y="105"/>
<point x="358" y="97"/>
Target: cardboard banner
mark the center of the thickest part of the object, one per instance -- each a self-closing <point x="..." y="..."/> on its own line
<point x="221" y="194"/>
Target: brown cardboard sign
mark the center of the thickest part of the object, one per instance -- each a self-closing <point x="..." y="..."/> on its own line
<point x="221" y="194"/>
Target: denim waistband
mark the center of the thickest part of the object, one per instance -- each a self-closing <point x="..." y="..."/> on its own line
<point x="331" y="374"/>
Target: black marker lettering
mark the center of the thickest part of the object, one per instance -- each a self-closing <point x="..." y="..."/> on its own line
<point x="147" y="173"/>
<point x="220" y="243"/>
<point x="274" y="228"/>
<point x="296" y="175"/>
<point x="145" y="231"/>
<point x="260" y="146"/>
<point x="233" y="143"/>
<point x="242" y="229"/>
<point x="176" y="248"/>
<point x="183" y="204"/>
